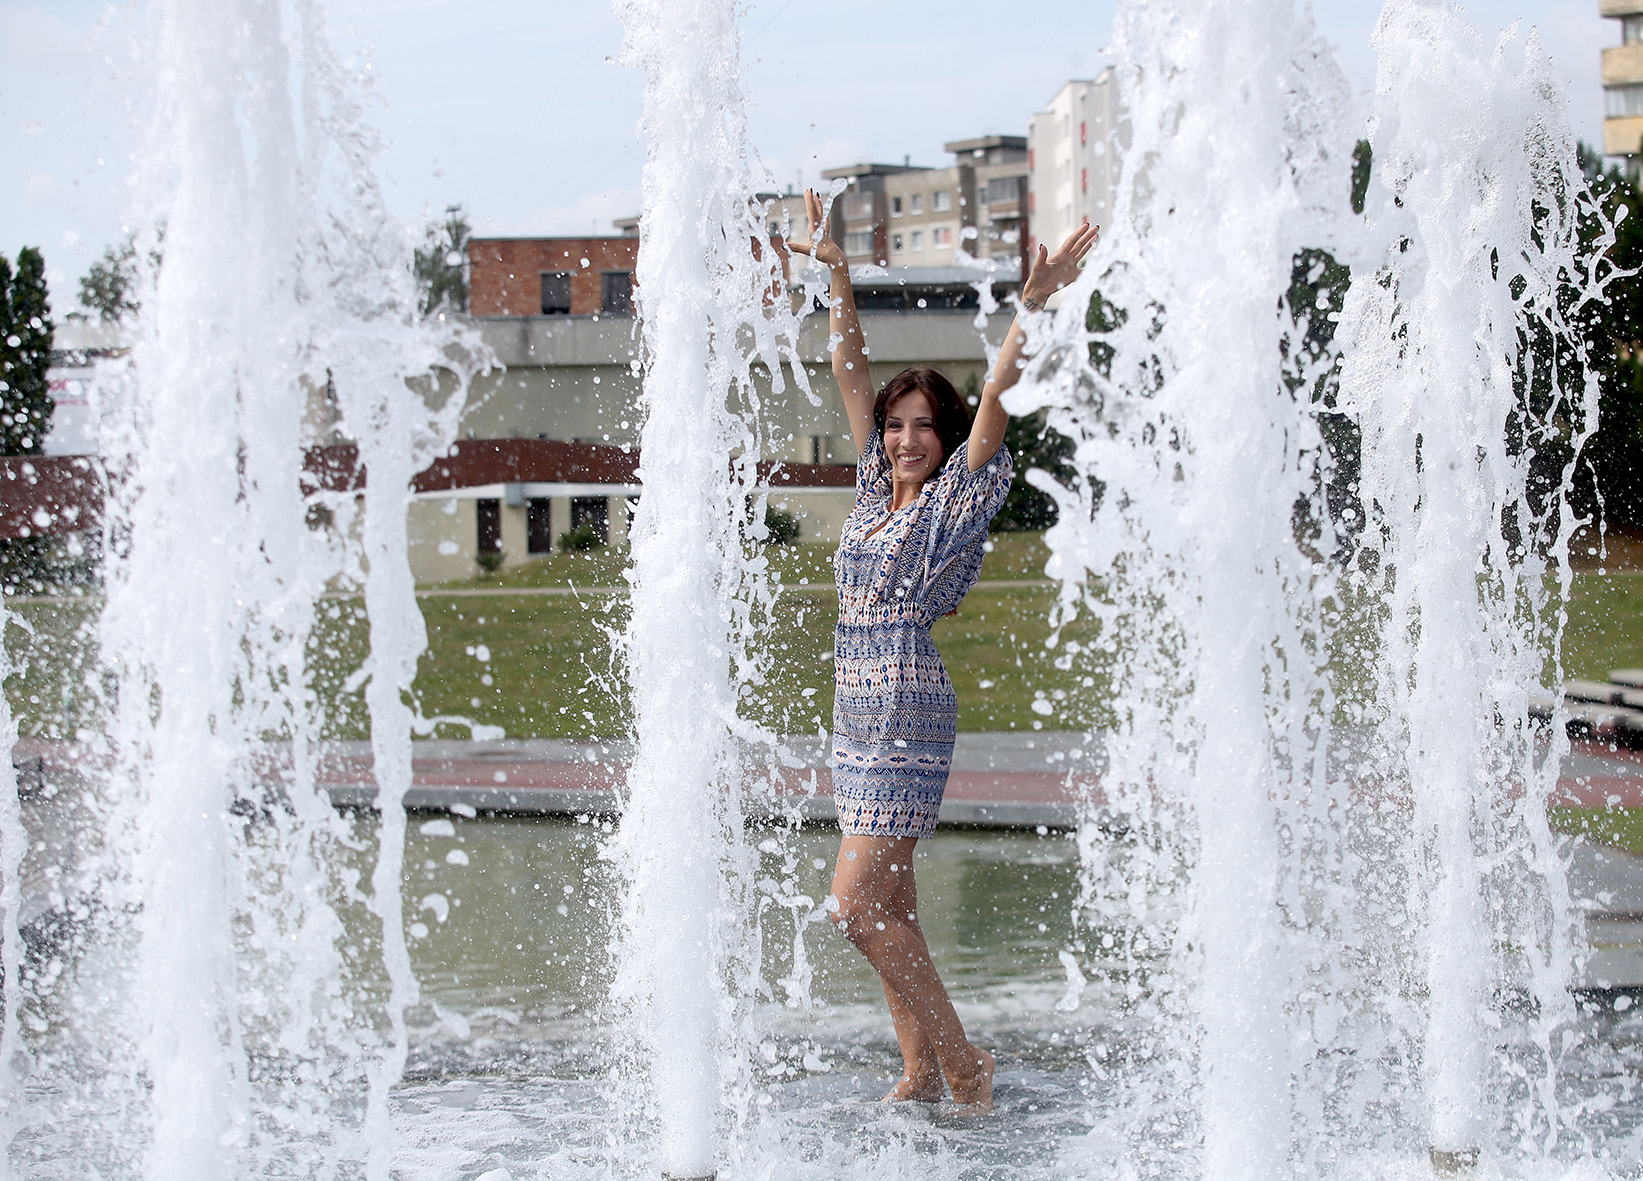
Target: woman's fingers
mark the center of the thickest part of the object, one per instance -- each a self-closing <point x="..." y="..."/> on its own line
<point x="813" y="210"/>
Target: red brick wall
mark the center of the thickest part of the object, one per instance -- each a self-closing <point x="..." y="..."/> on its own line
<point x="505" y="276"/>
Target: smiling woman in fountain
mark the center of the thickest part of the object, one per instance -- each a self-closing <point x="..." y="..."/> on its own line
<point x="928" y="483"/>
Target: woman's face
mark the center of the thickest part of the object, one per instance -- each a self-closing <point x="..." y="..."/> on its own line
<point x="910" y="438"/>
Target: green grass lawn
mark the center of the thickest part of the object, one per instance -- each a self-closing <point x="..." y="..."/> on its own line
<point x="1605" y="628"/>
<point x="1014" y="556"/>
<point x="1621" y="828"/>
<point x="550" y="672"/>
<point x="551" y="667"/>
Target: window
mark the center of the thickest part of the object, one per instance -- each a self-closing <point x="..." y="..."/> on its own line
<point x="918" y="239"/>
<point x="941" y="236"/>
<point x="538" y="526"/>
<point x="916" y="203"/>
<point x="941" y="201"/>
<point x="895" y="206"/>
<point x="594" y="511"/>
<point x="556" y="293"/>
<point x="1631" y="30"/>
<point x="895" y="243"/>
<point x="1620" y="102"/>
<point x="616" y="298"/>
<point x="859" y="242"/>
<point x="490" y="525"/>
<point x="1004" y="189"/>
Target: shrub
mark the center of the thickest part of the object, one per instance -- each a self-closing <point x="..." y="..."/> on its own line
<point x="490" y="560"/>
<point x="580" y="539"/>
<point x="780" y="526"/>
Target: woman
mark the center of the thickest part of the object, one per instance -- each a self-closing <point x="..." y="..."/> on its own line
<point x="927" y="485"/>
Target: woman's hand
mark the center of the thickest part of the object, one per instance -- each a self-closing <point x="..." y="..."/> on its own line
<point x="816" y="242"/>
<point x="1052" y="272"/>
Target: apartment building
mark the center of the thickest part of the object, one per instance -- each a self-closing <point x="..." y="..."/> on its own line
<point x="930" y="215"/>
<point x="999" y="165"/>
<point x="915" y="220"/>
<point x="1623" y="83"/>
<point x="860" y="221"/>
<point x="1072" y="159"/>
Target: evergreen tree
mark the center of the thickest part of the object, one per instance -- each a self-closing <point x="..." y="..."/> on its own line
<point x="25" y="354"/>
<point x="441" y="263"/>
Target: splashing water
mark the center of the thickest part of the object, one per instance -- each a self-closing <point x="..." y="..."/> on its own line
<point x="1310" y="1002"/>
<point x="213" y="1020"/>
<point x="1319" y="910"/>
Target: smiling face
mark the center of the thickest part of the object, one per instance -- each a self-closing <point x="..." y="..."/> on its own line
<point x="910" y="438"/>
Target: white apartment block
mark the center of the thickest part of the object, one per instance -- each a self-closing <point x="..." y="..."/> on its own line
<point x="1072" y="160"/>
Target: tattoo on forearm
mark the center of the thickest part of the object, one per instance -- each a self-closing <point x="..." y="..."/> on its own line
<point x="1031" y="304"/>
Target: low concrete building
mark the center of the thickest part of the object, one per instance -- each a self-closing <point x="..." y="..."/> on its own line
<point x="575" y="380"/>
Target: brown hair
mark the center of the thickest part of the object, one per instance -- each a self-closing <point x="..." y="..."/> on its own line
<point x="952" y="415"/>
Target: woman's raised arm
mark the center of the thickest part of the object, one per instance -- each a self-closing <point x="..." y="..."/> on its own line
<point x="1051" y="272"/>
<point x="844" y="327"/>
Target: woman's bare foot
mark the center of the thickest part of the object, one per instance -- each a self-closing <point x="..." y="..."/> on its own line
<point x="923" y="1089"/>
<point x="974" y="1095"/>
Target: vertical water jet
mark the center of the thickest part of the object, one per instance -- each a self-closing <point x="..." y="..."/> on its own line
<point x="689" y="952"/>
<point x="1462" y="357"/>
<point x="213" y="1019"/>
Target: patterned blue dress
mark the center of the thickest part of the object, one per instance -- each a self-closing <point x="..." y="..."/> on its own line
<point x="894" y="713"/>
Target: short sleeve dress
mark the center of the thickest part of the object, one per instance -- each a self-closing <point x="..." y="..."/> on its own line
<point x="894" y="713"/>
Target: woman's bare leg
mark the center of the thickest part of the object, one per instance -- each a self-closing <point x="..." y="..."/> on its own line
<point x="921" y="1074"/>
<point x="867" y="892"/>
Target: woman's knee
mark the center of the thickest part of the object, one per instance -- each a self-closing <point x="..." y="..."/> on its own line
<point x="849" y="914"/>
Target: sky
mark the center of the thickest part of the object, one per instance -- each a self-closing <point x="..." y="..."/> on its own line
<point x="518" y="111"/>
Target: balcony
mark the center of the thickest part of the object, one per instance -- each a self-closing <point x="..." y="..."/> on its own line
<point x="1621" y="137"/>
<point x="1623" y="63"/>
<point x="1620" y="7"/>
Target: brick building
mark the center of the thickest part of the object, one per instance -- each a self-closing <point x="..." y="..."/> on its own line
<point x="552" y="276"/>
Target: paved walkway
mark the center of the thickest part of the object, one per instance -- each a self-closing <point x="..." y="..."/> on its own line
<point x="999" y="780"/>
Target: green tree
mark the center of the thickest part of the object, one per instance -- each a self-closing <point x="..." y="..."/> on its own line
<point x="441" y="262"/>
<point x="25" y="354"/>
<point x="109" y="288"/>
<point x="1032" y="444"/>
<point x="1613" y="331"/>
<point x="26" y="404"/>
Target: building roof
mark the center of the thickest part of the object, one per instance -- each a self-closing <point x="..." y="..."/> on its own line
<point x="999" y="270"/>
<point x="851" y="171"/>
<point x="982" y="142"/>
